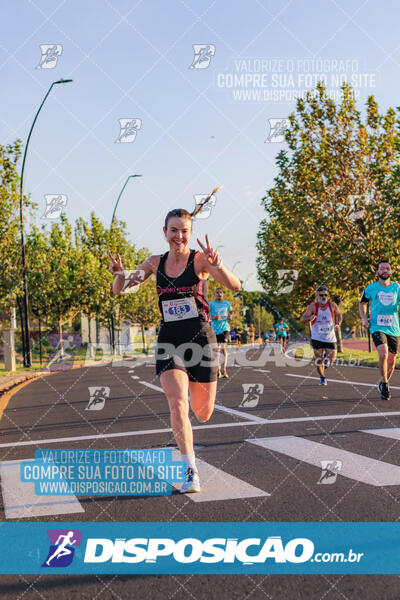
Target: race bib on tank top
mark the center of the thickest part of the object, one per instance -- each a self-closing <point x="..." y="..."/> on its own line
<point x="179" y="309"/>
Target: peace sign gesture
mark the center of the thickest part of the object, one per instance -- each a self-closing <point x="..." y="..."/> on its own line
<point x="210" y="253"/>
<point x="116" y="268"/>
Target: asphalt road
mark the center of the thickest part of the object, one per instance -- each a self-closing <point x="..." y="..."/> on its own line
<point x="260" y="453"/>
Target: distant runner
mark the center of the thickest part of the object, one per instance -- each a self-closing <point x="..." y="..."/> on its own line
<point x="384" y="296"/>
<point x="221" y="313"/>
<point x="252" y="333"/>
<point x="325" y="317"/>
<point x="282" y="329"/>
<point x="238" y="336"/>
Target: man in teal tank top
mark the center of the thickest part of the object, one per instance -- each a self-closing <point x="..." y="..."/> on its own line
<point x="384" y="296"/>
<point x="221" y="313"/>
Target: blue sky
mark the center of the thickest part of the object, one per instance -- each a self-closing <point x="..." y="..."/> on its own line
<point x="131" y="60"/>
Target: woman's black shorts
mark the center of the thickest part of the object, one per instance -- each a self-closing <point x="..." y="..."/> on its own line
<point x="190" y="346"/>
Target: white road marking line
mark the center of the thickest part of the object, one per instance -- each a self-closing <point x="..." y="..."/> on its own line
<point x="392" y="387"/>
<point x="153" y="387"/>
<point x="231" y="411"/>
<point x="262" y="370"/>
<point x="354" y="466"/>
<point x="392" y="433"/>
<point x="205" y="426"/>
<point x="115" y="435"/>
<point x="20" y="500"/>
<point x="259" y="421"/>
<point x="134" y="377"/>
<point x="218" y="485"/>
<point x="239" y="413"/>
<point x="309" y="360"/>
<point x="333" y="417"/>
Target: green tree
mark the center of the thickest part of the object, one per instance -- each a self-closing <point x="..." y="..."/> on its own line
<point x="334" y="209"/>
<point x="95" y="241"/>
<point x="54" y="274"/>
<point x="10" y="246"/>
<point x="142" y="307"/>
<point x="261" y="318"/>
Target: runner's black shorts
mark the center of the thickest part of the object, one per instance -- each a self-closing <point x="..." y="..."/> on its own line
<point x="189" y="345"/>
<point x="318" y="345"/>
<point x="383" y="338"/>
<point x="223" y="338"/>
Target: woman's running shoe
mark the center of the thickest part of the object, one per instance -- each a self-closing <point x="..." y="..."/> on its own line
<point x="192" y="483"/>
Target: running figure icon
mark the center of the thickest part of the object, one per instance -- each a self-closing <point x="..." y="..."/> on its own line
<point x="62" y="549"/>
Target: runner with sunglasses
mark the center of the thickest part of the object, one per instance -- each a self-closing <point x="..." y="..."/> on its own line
<point x="324" y="317"/>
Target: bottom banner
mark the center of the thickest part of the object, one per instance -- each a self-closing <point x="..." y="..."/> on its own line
<point x="202" y="547"/>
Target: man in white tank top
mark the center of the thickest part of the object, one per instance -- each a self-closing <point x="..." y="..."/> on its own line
<point x="324" y="317"/>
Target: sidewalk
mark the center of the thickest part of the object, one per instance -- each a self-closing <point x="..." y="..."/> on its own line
<point x="9" y="381"/>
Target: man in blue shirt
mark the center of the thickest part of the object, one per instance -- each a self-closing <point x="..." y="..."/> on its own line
<point x="221" y="312"/>
<point x="384" y="296"/>
<point x="282" y="329"/>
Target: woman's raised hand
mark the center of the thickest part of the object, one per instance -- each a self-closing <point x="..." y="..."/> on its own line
<point x="116" y="267"/>
<point x="210" y="253"/>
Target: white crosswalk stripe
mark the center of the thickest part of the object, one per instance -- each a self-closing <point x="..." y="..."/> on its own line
<point x="216" y="484"/>
<point x="21" y="502"/>
<point x="392" y="433"/>
<point x="354" y="466"/>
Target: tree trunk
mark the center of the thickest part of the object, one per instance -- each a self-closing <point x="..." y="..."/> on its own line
<point x="143" y="340"/>
<point x="90" y="337"/>
<point x="21" y="319"/>
<point x="119" y="338"/>
<point x="109" y="332"/>
<point x="61" y="338"/>
<point x="339" y="339"/>
<point x="40" y="339"/>
<point x="112" y="333"/>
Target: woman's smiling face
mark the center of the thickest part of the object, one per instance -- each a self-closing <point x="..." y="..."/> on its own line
<point x="178" y="232"/>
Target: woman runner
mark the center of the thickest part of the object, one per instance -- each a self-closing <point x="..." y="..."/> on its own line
<point x="185" y="360"/>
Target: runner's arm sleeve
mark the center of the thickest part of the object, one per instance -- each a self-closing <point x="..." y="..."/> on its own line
<point x="364" y="297"/>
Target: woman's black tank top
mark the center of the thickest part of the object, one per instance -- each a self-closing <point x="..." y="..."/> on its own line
<point x="172" y="292"/>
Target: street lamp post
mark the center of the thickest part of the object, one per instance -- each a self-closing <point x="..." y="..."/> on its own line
<point x="120" y="194"/>
<point x="25" y="334"/>
<point x="112" y="302"/>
